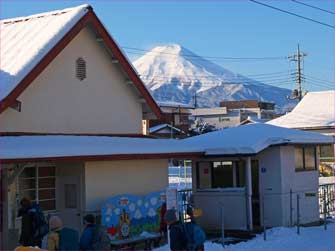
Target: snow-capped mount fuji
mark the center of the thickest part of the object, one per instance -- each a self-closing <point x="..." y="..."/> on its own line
<point x="173" y="73"/>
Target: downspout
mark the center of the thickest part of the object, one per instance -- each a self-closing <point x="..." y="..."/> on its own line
<point x="249" y="194"/>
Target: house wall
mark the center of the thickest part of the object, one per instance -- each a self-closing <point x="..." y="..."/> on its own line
<point x="109" y="178"/>
<point x="271" y="185"/>
<point x="233" y="203"/>
<point x="57" y="102"/>
<point x="301" y="183"/>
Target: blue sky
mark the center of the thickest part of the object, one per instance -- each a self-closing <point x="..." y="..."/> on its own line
<point x="237" y="28"/>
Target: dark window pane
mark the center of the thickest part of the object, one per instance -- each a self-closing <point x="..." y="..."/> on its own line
<point x="46" y="194"/>
<point x="240" y="174"/>
<point x="310" y="158"/>
<point x="30" y="194"/>
<point x="46" y="171"/>
<point x="28" y="172"/>
<point x="298" y="157"/>
<point x="48" y="205"/>
<point x="46" y="182"/>
<point x="27" y="184"/>
<point x="222" y="174"/>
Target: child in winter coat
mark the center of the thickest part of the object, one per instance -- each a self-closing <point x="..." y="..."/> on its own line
<point x="55" y="225"/>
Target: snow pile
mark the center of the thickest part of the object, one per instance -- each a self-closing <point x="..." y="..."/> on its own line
<point x="26" y="40"/>
<point x="316" y="109"/>
<point x="174" y="73"/>
<point x="279" y="239"/>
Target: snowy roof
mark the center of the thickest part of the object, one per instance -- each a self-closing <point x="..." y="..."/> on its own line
<point x="28" y="44"/>
<point x="315" y="110"/>
<point x="30" y="147"/>
<point x="26" y="40"/>
<point x="251" y="119"/>
<point x="252" y="138"/>
<point x="246" y="139"/>
<point x="162" y="126"/>
<point x="173" y="104"/>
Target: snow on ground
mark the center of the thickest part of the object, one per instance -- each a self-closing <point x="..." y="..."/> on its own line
<point x="280" y="239"/>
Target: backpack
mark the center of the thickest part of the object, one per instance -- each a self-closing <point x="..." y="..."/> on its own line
<point x="101" y="239"/>
<point x="40" y="225"/>
<point x="68" y="239"/>
<point x="195" y="236"/>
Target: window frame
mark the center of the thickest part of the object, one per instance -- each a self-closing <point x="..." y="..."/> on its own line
<point x="36" y="187"/>
<point x="304" y="169"/>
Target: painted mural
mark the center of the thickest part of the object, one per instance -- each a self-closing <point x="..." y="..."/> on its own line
<point x="129" y="215"/>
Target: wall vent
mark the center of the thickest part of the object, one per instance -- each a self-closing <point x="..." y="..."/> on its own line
<point x="80" y="69"/>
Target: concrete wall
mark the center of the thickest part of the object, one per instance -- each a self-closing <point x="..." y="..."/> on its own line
<point x="108" y="178"/>
<point x="233" y="202"/>
<point x="301" y="183"/>
<point x="58" y="102"/>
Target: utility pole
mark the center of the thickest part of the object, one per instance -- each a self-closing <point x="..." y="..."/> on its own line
<point x="195" y="100"/>
<point x="297" y="58"/>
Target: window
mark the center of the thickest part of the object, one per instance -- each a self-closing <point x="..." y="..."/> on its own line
<point x="39" y="185"/>
<point x="221" y="174"/>
<point x="80" y="69"/>
<point x="305" y="158"/>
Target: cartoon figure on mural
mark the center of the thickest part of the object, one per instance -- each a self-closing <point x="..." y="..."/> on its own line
<point x="124" y="225"/>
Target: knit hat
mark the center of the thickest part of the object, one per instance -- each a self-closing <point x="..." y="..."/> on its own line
<point x="90" y="219"/>
<point x="55" y="222"/>
<point x="170" y="215"/>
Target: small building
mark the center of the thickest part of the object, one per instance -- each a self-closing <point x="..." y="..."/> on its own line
<point x="248" y="166"/>
<point x="174" y="114"/>
<point x="71" y="112"/>
<point x="166" y="131"/>
<point x="233" y="113"/>
<point x="216" y="116"/>
<point x="314" y="113"/>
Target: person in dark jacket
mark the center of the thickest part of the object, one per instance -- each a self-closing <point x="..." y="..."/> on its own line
<point x="27" y="224"/>
<point x="87" y="237"/>
<point x="178" y="241"/>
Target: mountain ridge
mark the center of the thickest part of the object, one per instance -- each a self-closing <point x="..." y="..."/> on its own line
<point x="174" y="73"/>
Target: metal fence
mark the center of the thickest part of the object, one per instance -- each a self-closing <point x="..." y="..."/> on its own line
<point x="327" y="198"/>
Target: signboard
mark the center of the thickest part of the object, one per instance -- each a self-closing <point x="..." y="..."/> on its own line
<point x="310" y="194"/>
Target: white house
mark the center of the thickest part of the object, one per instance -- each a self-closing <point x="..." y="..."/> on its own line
<point x="314" y="113"/>
<point x="245" y="166"/>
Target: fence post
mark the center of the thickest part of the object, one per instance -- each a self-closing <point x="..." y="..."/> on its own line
<point x="298" y="215"/>
<point x="291" y="209"/>
<point x="222" y="226"/>
<point x="263" y="218"/>
<point x="324" y="210"/>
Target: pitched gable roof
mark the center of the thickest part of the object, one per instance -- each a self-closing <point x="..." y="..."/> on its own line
<point x="29" y="44"/>
<point x="315" y="110"/>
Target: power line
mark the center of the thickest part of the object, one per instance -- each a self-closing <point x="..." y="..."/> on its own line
<point x="202" y="57"/>
<point x="325" y="81"/>
<point x="314" y="7"/>
<point x="293" y="14"/>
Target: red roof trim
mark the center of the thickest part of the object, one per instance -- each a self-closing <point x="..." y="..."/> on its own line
<point x="190" y="155"/>
<point x="89" y="17"/>
<point x="129" y="135"/>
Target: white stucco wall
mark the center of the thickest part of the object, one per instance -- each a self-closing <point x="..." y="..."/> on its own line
<point x="301" y="183"/>
<point x="57" y="102"/>
<point x="280" y="177"/>
<point x="109" y="178"/>
<point x="270" y="185"/>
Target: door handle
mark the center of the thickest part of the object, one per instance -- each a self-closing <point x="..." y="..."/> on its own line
<point x="78" y="214"/>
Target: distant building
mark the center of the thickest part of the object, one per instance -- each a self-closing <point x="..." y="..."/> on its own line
<point x="232" y="113"/>
<point x="174" y="114"/>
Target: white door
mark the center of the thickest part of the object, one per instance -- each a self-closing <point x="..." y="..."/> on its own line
<point x="70" y="201"/>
